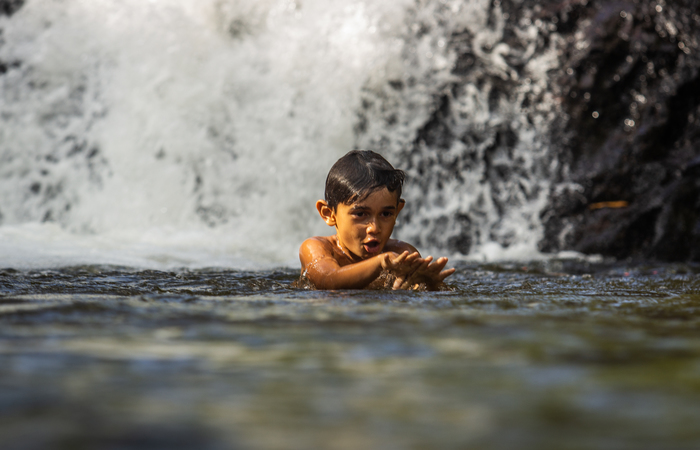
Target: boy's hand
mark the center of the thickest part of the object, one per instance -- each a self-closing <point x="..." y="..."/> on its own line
<point x="428" y="271"/>
<point x="401" y="266"/>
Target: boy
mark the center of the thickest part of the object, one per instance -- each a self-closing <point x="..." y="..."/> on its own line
<point x="362" y="201"/>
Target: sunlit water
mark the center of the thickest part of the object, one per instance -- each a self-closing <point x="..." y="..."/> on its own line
<point x="548" y="355"/>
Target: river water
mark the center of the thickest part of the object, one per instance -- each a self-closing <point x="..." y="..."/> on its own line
<point x="551" y="354"/>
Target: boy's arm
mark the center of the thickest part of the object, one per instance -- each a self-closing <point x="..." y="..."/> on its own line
<point x="323" y="270"/>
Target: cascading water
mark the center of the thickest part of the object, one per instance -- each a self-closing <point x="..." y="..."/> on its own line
<point x="200" y="132"/>
<point x="193" y="125"/>
<point x="202" y="126"/>
<point x="468" y="113"/>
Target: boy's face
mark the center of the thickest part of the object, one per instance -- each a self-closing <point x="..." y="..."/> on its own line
<point x="365" y="227"/>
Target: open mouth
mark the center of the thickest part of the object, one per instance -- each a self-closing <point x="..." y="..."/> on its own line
<point x="371" y="246"/>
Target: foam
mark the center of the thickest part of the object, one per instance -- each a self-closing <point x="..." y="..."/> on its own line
<point x="195" y="132"/>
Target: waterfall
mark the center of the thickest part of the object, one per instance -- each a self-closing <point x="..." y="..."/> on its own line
<point x="160" y="126"/>
<point x="467" y="112"/>
<point x="200" y="132"/>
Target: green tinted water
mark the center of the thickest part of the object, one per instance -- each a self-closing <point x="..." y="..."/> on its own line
<point x="541" y="356"/>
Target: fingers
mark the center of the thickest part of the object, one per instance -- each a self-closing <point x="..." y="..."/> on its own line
<point x="405" y="261"/>
<point x="406" y="257"/>
<point x="391" y="259"/>
<point x="413" y="256"/>
<point x="414" y="263"/>
<point x="438" y="265"/>
<point x="401" y="258"/>
<point x="425" y="266"/>
<point x="410" y="268"/>
<point x="445" y="273"/>
<point x="433" y="270"/>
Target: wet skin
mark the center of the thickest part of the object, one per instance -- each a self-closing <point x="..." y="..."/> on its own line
<point x="362" y="248"/>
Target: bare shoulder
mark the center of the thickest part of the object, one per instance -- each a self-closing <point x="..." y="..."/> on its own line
<point x="317" y="244"/>
<point x="315" y="248"/>
<point x="394" y="245"/>
<point x="317" y="240"/>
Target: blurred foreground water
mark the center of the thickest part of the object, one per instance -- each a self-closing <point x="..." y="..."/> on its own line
<point x="546" y="355"/>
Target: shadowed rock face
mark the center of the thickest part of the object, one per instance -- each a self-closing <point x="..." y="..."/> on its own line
<point x="631" y="183"/>
<point x="9" y="7"/>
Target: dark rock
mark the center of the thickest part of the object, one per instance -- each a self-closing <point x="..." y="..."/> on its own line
<point x="9" y="7"/>
<point x="633" y="97"/>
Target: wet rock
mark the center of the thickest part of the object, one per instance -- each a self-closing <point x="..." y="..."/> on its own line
<point x="9" y="7"/>
<point x="631" y="88"/>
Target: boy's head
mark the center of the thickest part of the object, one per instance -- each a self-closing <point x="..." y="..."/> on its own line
<point x="363" y="200"/>
<point x="358" y="174"/>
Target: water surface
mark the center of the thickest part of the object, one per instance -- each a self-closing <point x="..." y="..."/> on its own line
<point x="556" y="354"/>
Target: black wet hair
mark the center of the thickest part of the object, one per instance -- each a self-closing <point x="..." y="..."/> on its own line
<point x="358" y="174"/>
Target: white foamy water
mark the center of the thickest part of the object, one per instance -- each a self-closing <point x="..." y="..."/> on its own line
<point x="198" y="132"/>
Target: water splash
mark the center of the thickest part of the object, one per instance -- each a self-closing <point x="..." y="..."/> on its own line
<point x="202" y="124"/>
<point x="467" y="113"/>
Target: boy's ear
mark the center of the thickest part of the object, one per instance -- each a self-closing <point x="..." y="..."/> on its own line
<point x="400" y="206"/>
<point x="326" y="212"/>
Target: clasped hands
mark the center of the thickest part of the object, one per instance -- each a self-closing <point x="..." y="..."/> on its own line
<point x="411" y="270"/>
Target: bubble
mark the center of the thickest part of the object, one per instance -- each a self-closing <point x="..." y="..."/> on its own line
<point x="623" y="14"/>
<point x="659" y="8"/>
<point x="595" y="114"/>
<point x="629" y="123"/>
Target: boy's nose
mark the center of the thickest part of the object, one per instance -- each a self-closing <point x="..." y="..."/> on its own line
<point x="373" y="226"/>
